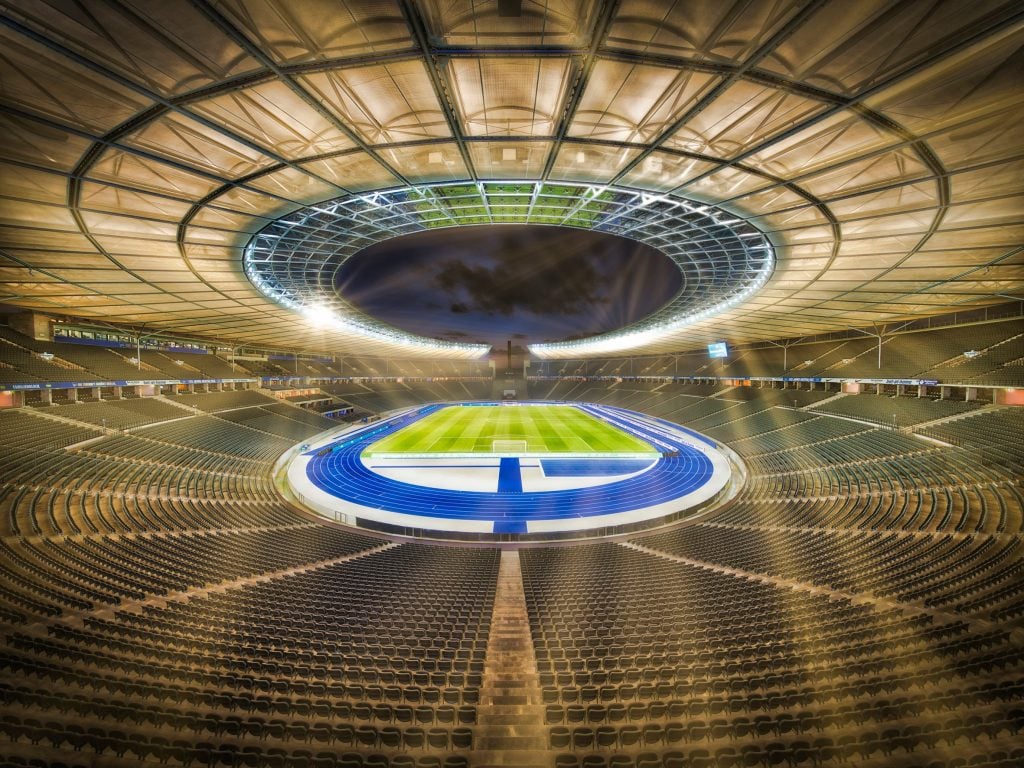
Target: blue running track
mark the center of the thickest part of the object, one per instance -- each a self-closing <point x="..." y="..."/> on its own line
<point x="341" y="473"/>
<point x="599" y="467"/>
<point x="509" y="479"/>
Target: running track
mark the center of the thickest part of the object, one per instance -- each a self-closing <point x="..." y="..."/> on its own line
<point x="341" y="474"/>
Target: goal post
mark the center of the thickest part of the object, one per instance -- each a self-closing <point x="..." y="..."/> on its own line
<point x="508" y="446"/>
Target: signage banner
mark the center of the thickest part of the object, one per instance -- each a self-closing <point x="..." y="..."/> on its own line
<point x="143" y="382"/>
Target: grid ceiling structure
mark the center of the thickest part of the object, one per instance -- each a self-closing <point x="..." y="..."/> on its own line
<point x="876" y="143"/>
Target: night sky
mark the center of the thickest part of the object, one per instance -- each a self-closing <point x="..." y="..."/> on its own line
<point x="493" y="283"/>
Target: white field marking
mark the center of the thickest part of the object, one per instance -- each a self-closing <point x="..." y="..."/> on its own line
<point x="443" y="476"/>
<point x="535" y="481"/>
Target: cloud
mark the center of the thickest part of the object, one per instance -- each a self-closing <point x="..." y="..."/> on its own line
<point x="455" y="335"/>
<point x="507" y="281"/>
<point x="561" y="283"/>
<point x="570" y="337"/>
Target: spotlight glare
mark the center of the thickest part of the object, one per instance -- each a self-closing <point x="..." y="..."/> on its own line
<point x="320" y="315"/>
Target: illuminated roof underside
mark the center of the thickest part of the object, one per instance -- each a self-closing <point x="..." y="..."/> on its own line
<point x="722" y="259"/>
<point x="876" y="144"/>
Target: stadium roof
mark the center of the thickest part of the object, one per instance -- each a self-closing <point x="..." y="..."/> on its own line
<point x="876" y="144"/>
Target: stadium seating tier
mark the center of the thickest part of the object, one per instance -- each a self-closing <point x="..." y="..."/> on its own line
<point x="860" y="599"/>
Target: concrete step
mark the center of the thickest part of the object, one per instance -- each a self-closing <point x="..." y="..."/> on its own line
<point x="499" y="711"/>
<point x="508" y="700"/>
<point x="511" y="676"/>
<point x="511" y="742"/>
<point x="510" y="718"/>
<point x="519" y="759"/>
<point x="508" y="691"/>
<point x="504" y="686"/>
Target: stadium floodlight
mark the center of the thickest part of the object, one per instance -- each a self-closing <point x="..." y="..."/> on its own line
<point x="722" y="257"/>
<point x="320" y="315"/>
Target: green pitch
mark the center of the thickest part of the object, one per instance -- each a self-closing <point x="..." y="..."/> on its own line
<point x="544" y="428"/>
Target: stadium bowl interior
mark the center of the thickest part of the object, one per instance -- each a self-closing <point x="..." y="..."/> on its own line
<point x="188" y="402"/>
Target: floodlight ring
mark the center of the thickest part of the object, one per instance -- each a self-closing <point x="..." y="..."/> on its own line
<point x="723" y="257"/>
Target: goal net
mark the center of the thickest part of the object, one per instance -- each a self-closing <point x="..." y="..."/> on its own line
<point x="508" y="446"/>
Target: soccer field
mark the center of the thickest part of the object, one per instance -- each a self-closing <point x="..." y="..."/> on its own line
<point x="543" y="428"/>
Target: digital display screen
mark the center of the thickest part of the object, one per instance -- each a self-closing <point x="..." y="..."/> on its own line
<point x="718" y="349"/>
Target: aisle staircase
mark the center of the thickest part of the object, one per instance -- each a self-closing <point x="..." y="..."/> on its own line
<point x="511" y="731"/>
